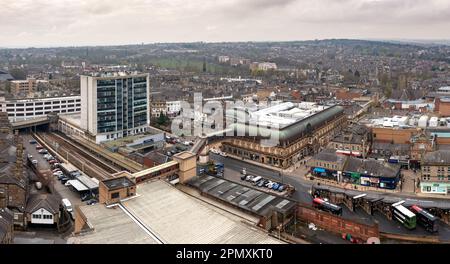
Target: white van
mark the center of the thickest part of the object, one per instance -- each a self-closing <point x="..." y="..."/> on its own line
<point x="67" y="204"/>
<point x="256" y="179"/>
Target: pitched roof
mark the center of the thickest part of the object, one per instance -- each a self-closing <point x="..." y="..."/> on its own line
<point x="439" y="157"/>
<point x="6" y="178"/>
<point x="49" y="202"/>
<point x="372" y="167"/>
<point x="331" y="156"/>
<point x="6" y="222"/>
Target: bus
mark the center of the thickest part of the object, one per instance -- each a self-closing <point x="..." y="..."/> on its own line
<point x="327" y="206"/>
<point x="425" y="219"/>
<point x="404" y="216"/>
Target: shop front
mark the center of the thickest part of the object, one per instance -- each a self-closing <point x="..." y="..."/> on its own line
<point x="325" y="173"/>
<point x="435" y="187"/>
<point x="388" y="183"/>
<point x="351" y="177"/>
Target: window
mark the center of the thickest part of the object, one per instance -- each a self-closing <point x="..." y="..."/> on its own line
<point x="115" y="195"/>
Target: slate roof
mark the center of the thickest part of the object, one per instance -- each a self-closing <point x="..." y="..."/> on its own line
<point x="49" y="202"/>
<point x="437" y="157"/>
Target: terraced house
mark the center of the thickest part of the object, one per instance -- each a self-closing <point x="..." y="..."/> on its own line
<point x="435" y="174"/>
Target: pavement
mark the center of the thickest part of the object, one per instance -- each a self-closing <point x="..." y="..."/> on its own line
<point x="233" y="168"/>
<point x="39" y="236"/>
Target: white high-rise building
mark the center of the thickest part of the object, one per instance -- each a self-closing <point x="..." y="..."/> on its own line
<point x="115" y="105"/>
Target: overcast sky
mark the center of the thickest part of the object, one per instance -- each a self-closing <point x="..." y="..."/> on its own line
<point x="108" y="22"/>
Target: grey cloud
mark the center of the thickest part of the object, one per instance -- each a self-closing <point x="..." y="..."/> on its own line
<point x="69" y="22"/>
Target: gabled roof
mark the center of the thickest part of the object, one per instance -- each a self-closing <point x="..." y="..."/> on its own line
<point x="373" y="167"/>
<point x="437" y="157"/>
<point x="49" y="202"/>
<point x="6" y="178"/>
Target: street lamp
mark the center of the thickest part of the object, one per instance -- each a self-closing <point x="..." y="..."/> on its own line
<point x="280" y="175"/>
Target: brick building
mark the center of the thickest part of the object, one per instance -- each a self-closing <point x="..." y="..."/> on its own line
<point x="394" y="135"/>
<point x="13" y="181"/>
<point x="355" y="140"/>
<point x="113" y="190"/>
<point x="6" y="226"/>
<point x="442" y="106"/>
<point x="435" y="174"/>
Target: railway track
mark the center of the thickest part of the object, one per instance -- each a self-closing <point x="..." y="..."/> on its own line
<point x="111" y="168"/>
<point x="116" y="159"/>
<point x="86" y="162"/>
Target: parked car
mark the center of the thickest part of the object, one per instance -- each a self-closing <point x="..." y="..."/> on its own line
<point x="85" y="197"/>
<point x="56" y="170"/>
<point x="243" y="177"/>
<point x="55" y="165"/>
<point x="261" y="183"/>
<point x="275" y="186"/>
<point x="219" y="174"/>
<point x="32" y="141"/>
<point x="43" y="151"/>
<point x="35" y="162"/>
<point x="91" y="202"/>
<point x="249" y="177"/>
<point x="223" y="154"/>
<point x="281" y="188"/>
<point x="215" y="151"/>
<point x="53" y="161"/>
<point x="58" y="173"/>
<point x="61" y="176"/>
<point x="38" y="147"/>
<point x="64" y="180"/>
<point x="269" y="184"/>
<point x="30" y="156"/>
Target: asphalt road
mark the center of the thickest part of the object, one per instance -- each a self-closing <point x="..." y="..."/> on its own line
<point x="31" y="149"/>
<point x="233" y="166"/>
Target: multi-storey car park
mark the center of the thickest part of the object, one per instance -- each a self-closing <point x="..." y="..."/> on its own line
<point x="24" y="109"/>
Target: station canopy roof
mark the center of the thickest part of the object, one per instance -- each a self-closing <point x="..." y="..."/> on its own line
<point x="78" y="185"/>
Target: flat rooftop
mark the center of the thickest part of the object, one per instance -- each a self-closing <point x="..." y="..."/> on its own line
<point x="118" y="183"/>
<point x="74" y="119"/>
<point x="173" y="216"/>
<point x="111" y="226"/>
<point x="180" y="218"/>
<point x="285" y="114"/>
<point x="121" y="142"/>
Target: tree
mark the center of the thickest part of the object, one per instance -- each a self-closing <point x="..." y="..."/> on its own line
<point x="162" y="120"/>
<point x="8" y="87"/>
